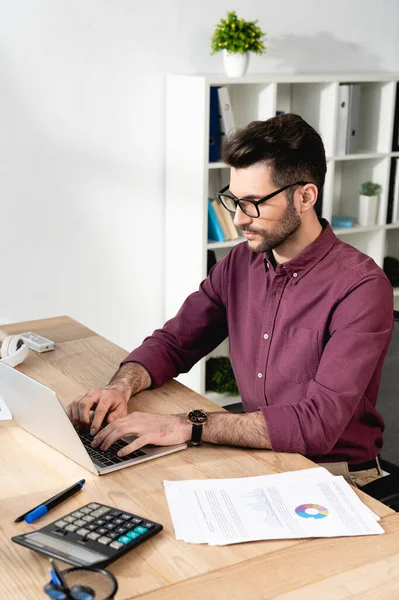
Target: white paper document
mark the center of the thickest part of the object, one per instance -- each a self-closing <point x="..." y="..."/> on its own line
<point x="299" y="504"/>
<point x="5" y="414"/>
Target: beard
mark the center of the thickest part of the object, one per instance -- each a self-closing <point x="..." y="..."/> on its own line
<point x="283" y="229"/>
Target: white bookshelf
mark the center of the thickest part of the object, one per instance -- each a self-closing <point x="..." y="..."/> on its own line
<point x="191" y="179"/>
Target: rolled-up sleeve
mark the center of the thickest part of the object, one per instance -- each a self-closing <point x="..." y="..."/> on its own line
<point x="361" y="329"/>
<point x="199" y="326"/>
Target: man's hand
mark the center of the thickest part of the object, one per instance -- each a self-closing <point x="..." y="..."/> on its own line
<point x="160" y="430"/>
<point x="131" y="379"/>
<point x="111" y="402"/>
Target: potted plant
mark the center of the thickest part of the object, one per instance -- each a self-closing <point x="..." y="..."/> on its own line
<point x="236" y="38"/>
<point x="368" y="203"/>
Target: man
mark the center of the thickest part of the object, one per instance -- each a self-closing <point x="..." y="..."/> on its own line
<point x="309" y="321"/>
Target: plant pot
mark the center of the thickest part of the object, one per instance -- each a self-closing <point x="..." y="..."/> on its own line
<point x="368" y="206"/>
<point x="235" y="65"/>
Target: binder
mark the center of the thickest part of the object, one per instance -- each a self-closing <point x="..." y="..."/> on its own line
<point x="353" y="119"/>
<point x="215" y="231"/>
<point x="214" y="131"/>
<point x="227" y="122"/>
<point x="395" y="137"/>
<point x="342" y="124"/>
<point x="395" y="207"/>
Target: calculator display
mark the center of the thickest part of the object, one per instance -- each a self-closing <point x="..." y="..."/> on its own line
<point x="64" y="549"/>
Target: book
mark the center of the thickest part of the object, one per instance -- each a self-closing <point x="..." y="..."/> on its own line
<point x="214" y="130"/>
<point x="338" y="221"/>
<point x="220" y="217"/>
<point x="226" y="115"/>
<point x="229" y="229"/>
<point x="215" y="231"/>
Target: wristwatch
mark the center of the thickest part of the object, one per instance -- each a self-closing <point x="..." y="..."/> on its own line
<point x="197" y="418"/>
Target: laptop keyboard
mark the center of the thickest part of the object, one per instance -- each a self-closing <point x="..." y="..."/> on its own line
<point x="109" y="457"/>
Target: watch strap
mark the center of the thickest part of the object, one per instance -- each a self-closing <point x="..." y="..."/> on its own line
<point x="196" y="434"/>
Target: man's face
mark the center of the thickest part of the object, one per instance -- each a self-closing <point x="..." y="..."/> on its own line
<point x="279" y="218"/>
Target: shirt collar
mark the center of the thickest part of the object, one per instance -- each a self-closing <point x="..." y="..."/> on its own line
<point x="297" y="267"/>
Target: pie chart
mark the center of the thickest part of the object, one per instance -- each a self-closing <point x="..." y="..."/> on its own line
<point x="311" y="511"/>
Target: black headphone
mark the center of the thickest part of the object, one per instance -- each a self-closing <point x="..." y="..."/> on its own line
<point x="58" y="589"/>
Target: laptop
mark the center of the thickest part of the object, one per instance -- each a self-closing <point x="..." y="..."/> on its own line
<point x="37" y="409"/>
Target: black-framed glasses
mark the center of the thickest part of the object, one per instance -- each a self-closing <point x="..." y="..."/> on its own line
<point x="249" y="207"/>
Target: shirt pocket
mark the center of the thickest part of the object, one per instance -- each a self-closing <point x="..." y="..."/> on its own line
<point x="299" y="354"/>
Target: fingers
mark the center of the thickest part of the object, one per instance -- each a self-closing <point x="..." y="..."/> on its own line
<point x="110" y="434"/>
<point x="135" y="445"/>
<point x="103" y="406"/>
<point x="86" y="403"/>
<point x="73" y="410"/>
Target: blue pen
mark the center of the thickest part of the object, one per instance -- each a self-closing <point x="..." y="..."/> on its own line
<point x="42" y="509"/>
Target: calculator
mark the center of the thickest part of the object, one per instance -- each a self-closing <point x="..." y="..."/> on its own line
<point x="93" y="535"/>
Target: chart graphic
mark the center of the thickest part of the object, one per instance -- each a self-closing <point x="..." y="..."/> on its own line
<point x="311" y="511"/>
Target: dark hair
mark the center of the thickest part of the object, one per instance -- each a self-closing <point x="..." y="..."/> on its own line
<point x="288" y="144"/>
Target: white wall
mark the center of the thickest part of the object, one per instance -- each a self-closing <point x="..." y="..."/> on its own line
<point x="82" y="132"/>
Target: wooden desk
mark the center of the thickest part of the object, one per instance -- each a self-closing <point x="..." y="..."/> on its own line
<point x="164" y="568"/>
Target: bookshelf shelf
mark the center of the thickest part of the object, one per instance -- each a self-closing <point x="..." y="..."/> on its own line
<point x="257" y="97"/>
<point x="217" y="165"/>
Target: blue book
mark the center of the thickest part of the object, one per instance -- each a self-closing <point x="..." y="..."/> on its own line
<point x="215" y="232"/>
<point x="343" y="221"/>
<point x="214" y="128"/>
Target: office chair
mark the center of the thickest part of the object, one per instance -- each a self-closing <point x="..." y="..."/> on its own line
<point x="386" y="489"/>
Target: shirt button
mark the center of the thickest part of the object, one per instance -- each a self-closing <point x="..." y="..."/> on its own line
<point x="295" y="274"/>
<point x="266" y="336"/>
<point x="260" y="375"/>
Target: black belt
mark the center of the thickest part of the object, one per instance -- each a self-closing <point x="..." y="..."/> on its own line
<point x="369" y="464"/>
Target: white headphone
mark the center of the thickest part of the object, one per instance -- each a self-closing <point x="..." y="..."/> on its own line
<point x="13" y="349"/>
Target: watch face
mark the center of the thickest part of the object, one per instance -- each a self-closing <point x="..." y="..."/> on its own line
<point x="197" y="417"/>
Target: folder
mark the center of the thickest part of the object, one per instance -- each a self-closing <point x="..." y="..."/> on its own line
<point x="214" y="131"/>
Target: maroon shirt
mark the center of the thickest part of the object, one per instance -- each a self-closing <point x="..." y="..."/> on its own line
<point x="307" y="343"/>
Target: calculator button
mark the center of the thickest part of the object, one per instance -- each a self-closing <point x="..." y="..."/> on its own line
<point x="125" y="516"/>
<point x="104" y="540"/>
<point x="136" y="520"/>
<point x="109" y="526"/>
<point x="71" y="528"/>
<point x="93" y="536"/>
<point x="77" y="514"/>
<point x="100" y="522"/>
<point x="133" y="534"/>
<point x="102" y="531"/>
<point x="94" y="506"/>
<point x="82" y="531"/>
<point x="69" y="519"/>
<point x="141" y="530"/>
<point x="115" y="513"/>
<point x="88" y="519"/>
<point x="108" y="518"/>
<point x="125" y="539"/>
<point x="92" y="527"/>
<point x="116" y="545"/>
<point x="86" y="510"/>
<point x="80" y="523"/>
<point x="148" y="524"/>
<point x="60" y="524"/>
<point x="121" y="529"/>
<point x="103" y="510"/>
<point x="119" y="521"/>
<point x="112" y="534"/>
